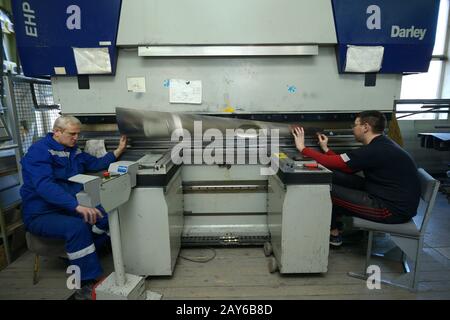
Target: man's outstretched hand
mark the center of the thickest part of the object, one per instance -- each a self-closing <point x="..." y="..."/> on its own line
<point x="122" y="146"/>
<point x="299" y="136"/>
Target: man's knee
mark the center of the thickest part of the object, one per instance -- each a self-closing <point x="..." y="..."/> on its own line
<point x="341" y="192"/>
<point x="79" y="228"/>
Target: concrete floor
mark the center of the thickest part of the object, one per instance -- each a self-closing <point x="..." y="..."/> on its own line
<point x="242" y="273"/>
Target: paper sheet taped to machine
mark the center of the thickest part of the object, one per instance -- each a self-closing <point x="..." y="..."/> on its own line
<point x="185" y="91"/>
<point x="364" y="58"/>
<point x="92" y="60"/>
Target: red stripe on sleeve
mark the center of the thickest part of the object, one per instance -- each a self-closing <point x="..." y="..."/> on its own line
<point x="331" y="161"/>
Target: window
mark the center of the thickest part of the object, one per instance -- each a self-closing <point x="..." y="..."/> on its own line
<point x="439" y="45"/>
<point x="429" y="85"/>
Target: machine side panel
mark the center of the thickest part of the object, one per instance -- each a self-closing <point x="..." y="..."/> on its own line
<point x="306" y="229"/>
<point x="174" y="200"/>
<point x="146" y="233"/>
<point x="276" y="196"/>
<point x="299" y="218"/>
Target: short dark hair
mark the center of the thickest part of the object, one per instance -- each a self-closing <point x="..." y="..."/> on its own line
<point x="375" y="119"/>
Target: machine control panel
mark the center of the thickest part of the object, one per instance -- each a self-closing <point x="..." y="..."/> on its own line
<point x="302" y="171"/>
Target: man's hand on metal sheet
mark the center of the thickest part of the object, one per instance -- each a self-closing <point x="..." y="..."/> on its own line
<point x="122" y="146"/>
<point x="299" y="136"/>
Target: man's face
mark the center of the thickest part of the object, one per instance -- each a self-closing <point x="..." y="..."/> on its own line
<point x="359" y="129"/>
<point x="67" y="137"/>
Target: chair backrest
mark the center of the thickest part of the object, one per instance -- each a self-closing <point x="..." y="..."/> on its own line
<point x="428" y="190"/>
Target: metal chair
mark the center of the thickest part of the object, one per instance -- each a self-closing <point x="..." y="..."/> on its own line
<point x="47" y="247"/>
<point x="408" y="236"/>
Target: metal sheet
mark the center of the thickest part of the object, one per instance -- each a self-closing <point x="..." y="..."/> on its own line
<point x="160" y="125"/>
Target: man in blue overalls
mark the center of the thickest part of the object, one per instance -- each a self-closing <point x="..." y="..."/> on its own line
<point x="50" y="208"/>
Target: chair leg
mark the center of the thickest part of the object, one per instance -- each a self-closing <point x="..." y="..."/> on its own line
<point x="363" y="275"/>
<point x="415" y="279"/>
<point x="415" y="275"/>
<point x="36" y="269"/>
<point x="5" y="238"/>
<point x="369" y="250"/>
<point x="404" y="262"/>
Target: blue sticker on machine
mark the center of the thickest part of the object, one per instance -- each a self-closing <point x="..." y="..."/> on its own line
<point x="122" y="169"/>
<point x="47" y="32"/>
<point x="405" y="28"/>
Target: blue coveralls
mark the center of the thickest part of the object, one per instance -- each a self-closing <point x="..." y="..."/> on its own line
<point x="49" y="200"/>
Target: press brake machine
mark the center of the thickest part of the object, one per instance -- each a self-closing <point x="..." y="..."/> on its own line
<point x="145" y="67"/>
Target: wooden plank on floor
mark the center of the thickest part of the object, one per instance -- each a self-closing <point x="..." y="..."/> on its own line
<point x="282" y="292"/>
<point x="16" y="280"/>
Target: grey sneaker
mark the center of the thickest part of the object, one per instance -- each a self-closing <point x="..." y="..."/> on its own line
<point x="335" y="241"/>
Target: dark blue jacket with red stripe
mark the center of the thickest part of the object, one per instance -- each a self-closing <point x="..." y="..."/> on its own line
<point x="390" y="172"/>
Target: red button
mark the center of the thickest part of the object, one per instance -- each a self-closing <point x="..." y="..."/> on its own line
<point x="311" y="165"/>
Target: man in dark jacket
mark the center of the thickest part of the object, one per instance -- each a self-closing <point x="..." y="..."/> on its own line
<point x="390" y="189"/>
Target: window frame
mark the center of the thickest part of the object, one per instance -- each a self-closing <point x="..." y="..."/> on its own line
<point x="444" y="59"/>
